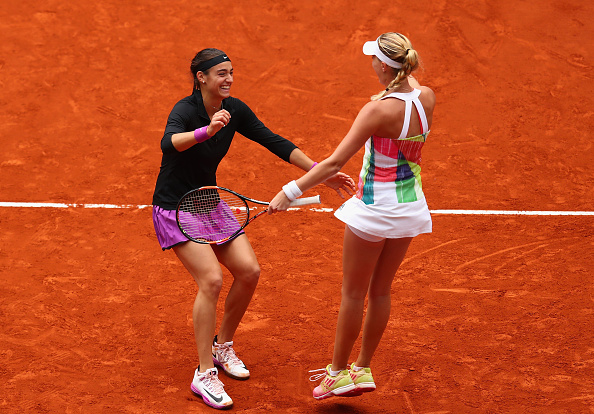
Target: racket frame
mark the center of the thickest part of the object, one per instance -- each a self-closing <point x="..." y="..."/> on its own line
<point x="248" y="220"/>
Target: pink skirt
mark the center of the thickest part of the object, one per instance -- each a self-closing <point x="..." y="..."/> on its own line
<point x="167" y="230"/>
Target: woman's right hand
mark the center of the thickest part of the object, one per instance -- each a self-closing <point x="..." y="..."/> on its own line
<point x="279" y="203"/>
<point x="219" y="120"/>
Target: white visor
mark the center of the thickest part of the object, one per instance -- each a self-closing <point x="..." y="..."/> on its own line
<point x="372" y="49"/>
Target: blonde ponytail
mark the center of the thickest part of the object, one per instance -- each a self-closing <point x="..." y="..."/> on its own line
<point x="398" y="48"/>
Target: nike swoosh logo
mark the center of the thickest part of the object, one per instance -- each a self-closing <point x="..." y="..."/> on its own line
<point x="213" y="397"/>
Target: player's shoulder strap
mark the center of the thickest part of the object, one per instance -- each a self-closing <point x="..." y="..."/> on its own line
<point x="409" y="99"/>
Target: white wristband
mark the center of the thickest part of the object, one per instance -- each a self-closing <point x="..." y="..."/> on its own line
<point x="292" y="191"/>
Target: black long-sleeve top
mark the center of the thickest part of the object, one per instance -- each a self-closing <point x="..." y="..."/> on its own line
<point x="197" y="166"/>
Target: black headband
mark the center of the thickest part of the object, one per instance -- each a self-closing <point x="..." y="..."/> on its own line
<point x="207" y="64"/>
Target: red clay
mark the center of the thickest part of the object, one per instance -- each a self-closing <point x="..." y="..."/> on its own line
<point x="491" y="314"/>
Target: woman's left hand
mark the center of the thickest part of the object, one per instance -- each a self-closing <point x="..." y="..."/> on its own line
<point x="280" y="202"/>
<point x="341" y="181"/>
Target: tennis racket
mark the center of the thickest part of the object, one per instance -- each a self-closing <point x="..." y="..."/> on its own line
<point x="214" y="215"/>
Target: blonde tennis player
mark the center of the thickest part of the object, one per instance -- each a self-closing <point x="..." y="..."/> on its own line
<point x="388" y="210"/>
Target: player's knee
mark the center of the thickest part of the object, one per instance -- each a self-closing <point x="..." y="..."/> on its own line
<point x="379" y="297"/>
<point x="212" y="284"/>
<point x="251" y="275"/>
<point x="353" y="292"/>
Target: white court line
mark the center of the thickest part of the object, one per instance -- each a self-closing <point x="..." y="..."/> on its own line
<point x="65" y="205"/>
<point x="317" y="210"/>
<point x="515" y="212"/>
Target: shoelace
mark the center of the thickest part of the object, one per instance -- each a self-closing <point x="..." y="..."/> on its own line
<point x="321" y="373"/>
<point x="228" y="355"/>
<point x="213" y="383"/>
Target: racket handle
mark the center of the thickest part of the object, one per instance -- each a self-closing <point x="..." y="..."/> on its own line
<point x="306" y="201"/>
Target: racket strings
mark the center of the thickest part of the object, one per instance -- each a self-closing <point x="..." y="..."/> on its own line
<point x="212" y="215"/>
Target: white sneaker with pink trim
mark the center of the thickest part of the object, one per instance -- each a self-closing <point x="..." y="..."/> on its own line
<point x="208" y="386"/>
<point x="223" y="356"/>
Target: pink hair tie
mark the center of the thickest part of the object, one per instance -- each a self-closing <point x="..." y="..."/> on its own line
<point x="314" y="164"/>
<point x="200" y="134"/>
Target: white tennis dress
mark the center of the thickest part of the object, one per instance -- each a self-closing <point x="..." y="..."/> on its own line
<point x="389" y="201"/>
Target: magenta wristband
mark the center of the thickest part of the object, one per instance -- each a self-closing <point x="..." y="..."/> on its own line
<point x="314" y="164"/>
<point x="200" y="134"/>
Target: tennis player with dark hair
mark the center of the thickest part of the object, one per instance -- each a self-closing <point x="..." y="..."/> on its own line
<point x="198" y="134"/>
<point x="388" y="210"/>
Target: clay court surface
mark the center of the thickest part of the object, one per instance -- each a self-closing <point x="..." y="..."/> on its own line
<point x="491" y="313"/>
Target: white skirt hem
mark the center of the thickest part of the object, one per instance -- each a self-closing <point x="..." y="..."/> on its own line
<point x="392" y="221"/>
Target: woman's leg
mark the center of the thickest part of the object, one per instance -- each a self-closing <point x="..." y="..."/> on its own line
<point x="239" y="257"/>
<point x="202" y="263"/>
<point x="359" y="258"/>
<point x="379" y="299"/>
